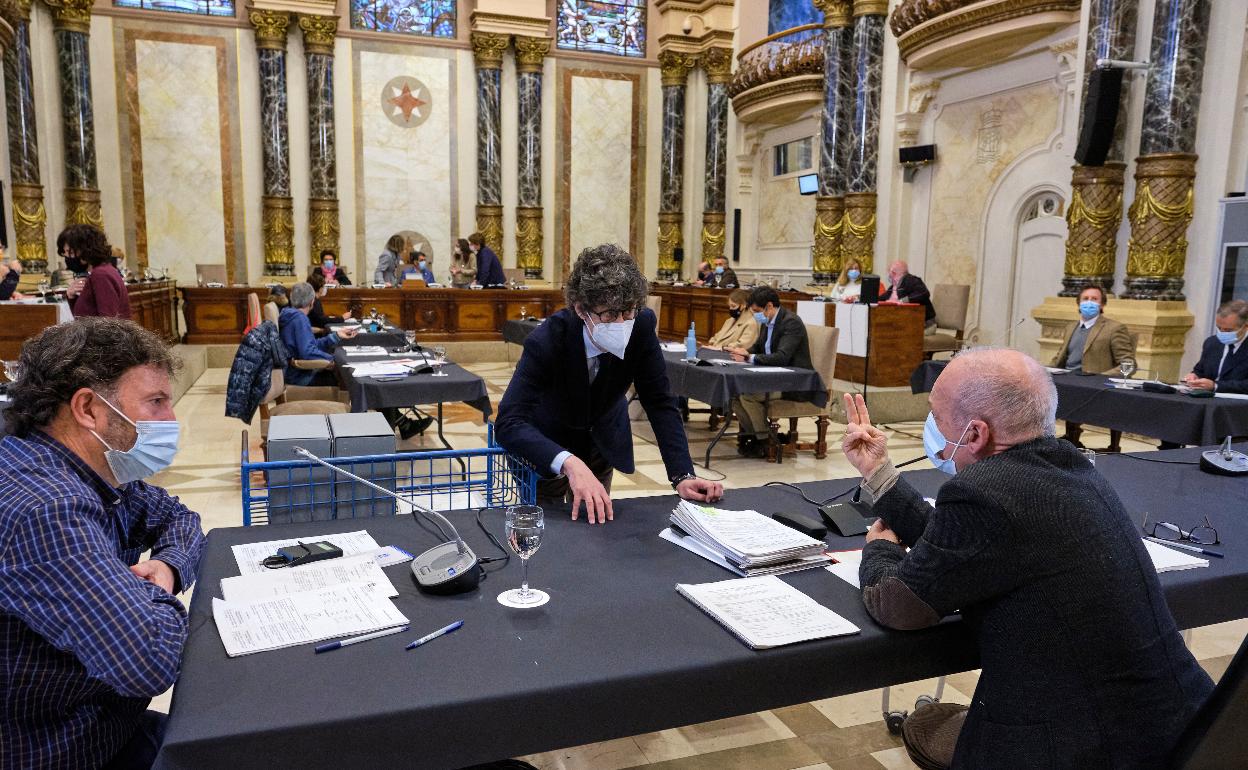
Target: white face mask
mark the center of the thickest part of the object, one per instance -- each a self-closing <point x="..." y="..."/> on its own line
<point x="611" y="338"/>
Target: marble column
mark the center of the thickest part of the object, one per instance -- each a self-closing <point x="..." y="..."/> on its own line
<point x="1165" y="171"/>
<point x="278" y="216"/>
<point x="30" y="218"/>
<point x="72" y="22"/>
<point x="674" y="68"/>
<point x="718" y="65"/>
<point x="530" y="52"/>
<point x="318" y="47"/>
<point x="1095" y="210"/>
<point x="838" y="97"/>
<point x="487" y="50"/>
<point x="863" y="134"/>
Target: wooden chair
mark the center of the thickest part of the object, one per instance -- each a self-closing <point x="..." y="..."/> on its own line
<point x="823" y="359"/>
<point x="951" y="302"/>
<point x="254" y="316"/>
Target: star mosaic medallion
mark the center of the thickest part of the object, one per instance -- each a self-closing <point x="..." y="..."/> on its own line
<point x="406" y="101"/>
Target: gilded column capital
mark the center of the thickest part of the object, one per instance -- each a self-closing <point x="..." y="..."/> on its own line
<point x="870" y="8"/>
<point x="530" y="51"/>
<point x="16" y="11"/>
<point x="836" y="13"/>
<point x="71" y="15"/>
<point x="487" y="50"/>
<point x="271" y="27"/>
<point x="674" y="67"/>
<point x="718" y="65"/>
<point x="318" y="33"/>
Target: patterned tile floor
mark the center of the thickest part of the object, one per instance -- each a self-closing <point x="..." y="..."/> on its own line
<point x="844" y="733"/>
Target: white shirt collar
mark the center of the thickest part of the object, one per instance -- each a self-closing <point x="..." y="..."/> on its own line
<point x="1089" y="322"/>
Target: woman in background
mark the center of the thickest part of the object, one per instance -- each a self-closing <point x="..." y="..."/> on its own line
<point x="849" y="285"/>
<point x="102" y="292"/>
<point x="390" y="260"/>
<point x="329" y="269"/>
<point x="740" y="330"/>
<point x="463" y="265"/>
<point x="317" y="316"/>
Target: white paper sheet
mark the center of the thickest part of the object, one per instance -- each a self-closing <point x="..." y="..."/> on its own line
<point x="767" y="369"/>
<point x="364" y="350"/>
<point x="766" y="612"/>
<point x="1171" y="559"/>
<point x="811" y="312"/>
<point x="846" y="567"/>
<point x="362" y="568"/>
<point x="249" y="555"/>
<point x="310" y="616"/>
<point x="673" y="347"/>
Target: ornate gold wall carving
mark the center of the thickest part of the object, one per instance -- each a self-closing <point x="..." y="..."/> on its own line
<point x="718" y="64"/>
<point x="829" y="225"/>
<point x="490" y="225"/>
<point x="322" y="226"/>
<point x="270" y="27"/>
<point x="1092" y="219"/>
<point x="858" y="233"/>
<point x="82" y="207"/>
<point x="30" y="221"/>
<point x="530" y="51"/>
<point x="487" y="50"/>
<point x="712" y="235"/>
<point x="670" y="238"/>
<point x="871" y="7"/>
<point x="836" y="13"/>
<point x="318" y="33"/>
<point x="674" y="67"/>
<point x="73" y="15"/>
<point x="278" y="220"/>
<point x="1160" y="215"/>
<point x="529" y="240"/>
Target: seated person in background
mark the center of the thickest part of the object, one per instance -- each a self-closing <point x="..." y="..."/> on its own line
<point x="848" y="287"/>
<point x="10" y="275"/>
<point x="390" y="259"/>
<point x="566" y="408"/>
<point x="334" y="274"/>
<point x="704" y="273"/>
<point x="302" y="344"/>
<point x="489" y="269"/>
<point x="102" y="292"/>
<point x="419" y="267"/>
<point x="1096" y="345"/>
<point x="463" y="265"/>
<point x="1083" y="665"/>
<point x="279" y="297"/>
<point x="904" y="287"/>
<point x="317" y="316"/>
<point x="1223" y="364"/>
<point x="740" y="330"/>
<point x="723" y="277"/>
<point x="91" y="632"/>
<point x="781" y="341"/>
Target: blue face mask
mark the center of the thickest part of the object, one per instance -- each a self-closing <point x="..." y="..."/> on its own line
<point x="153" y="450"/>
<point x="719" y="270"/>
<point x="1227" y="338"/>
<point x="423" y="264"/>
<point x="327" y="266"/>
<point x="1089" y="309"/>
<point x="854" y="274"/>
<point x="934" y="443"/>
<point x="760" y="316"/>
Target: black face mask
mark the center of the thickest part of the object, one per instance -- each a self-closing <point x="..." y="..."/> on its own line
<point x="735" y="312"/>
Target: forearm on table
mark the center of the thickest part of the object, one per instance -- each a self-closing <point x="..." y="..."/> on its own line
<point x="898" y="504"/>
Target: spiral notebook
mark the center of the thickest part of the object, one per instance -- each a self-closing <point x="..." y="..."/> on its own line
<point x="766" y="612"/>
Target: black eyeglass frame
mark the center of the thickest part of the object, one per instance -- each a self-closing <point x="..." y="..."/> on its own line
<point x="1164" y="530"/>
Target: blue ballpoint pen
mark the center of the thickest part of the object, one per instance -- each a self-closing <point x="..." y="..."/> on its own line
<point x="1185" y="547"/>
<point x="357" y="639"/>
<point x="434" y="635"/>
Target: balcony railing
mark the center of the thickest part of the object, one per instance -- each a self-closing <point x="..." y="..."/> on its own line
<point x="796" y="51"/>
<point x="911" y="13"/>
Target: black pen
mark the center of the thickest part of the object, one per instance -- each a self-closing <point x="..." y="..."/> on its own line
<point x="1185" y="547"/>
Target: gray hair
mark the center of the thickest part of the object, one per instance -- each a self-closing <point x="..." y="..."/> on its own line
<point x="302" y="295"/>
<point x="606" y="277"/>
<point x="1009" y="390"/>
<point x="1236" y="307"/>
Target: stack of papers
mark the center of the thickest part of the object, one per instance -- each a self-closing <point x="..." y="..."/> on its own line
<point x="364" y="350"/>
<point x="385" y="368"/>
<point x="767" y="369"/>
<point x="1171" y="559"/>
<point x="362" y="569"/>
<point x="745" y="542"/>
<point x="673" y="347"/>
<point x="766" y="612"/>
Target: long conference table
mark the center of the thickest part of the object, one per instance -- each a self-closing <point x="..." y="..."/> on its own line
<point x="615" y="652"/>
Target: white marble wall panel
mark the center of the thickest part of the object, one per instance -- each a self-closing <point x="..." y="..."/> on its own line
<point x="600" y="178"/>
<point x="181" y="149"/>
<point x="405" y="179"/>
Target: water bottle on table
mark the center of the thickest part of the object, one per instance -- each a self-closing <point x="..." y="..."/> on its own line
<point x="691" y="344"/>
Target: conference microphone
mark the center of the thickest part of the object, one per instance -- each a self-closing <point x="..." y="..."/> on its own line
<point x="1224" y="461"/>
<point x="447" y="568"/>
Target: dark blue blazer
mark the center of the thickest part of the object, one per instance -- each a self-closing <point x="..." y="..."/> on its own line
<point x="1234" y="377"/>
<point x="550" y="405"/>
<point x="489" y="269"/>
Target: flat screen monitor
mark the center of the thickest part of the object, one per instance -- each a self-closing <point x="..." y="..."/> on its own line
<point x="808" y="184"/>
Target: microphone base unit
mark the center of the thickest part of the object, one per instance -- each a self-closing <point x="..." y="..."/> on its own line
<point x="444" y="570"/>
<point x="1224" y="462"/>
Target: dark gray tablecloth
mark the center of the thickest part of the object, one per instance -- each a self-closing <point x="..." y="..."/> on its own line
<point x="386" y="337"/>
<point x="1167" y="416"/>
<point x="369" y="393"/>
<point x="718" y="385"/>
<point x="616" y="652"/>
<point x="518" y="331"/>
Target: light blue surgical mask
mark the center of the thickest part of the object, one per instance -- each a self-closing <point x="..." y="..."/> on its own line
<point x="1227" y="338"/>
<point x="934" y="443"/>
<point x="853" y="274"/>
<point x="153" y="450"/>
<point x="719" y="270"/>
<point x="423" y="264"/>
<point x="1089" y="309"/>
<point x="760" y="316"/>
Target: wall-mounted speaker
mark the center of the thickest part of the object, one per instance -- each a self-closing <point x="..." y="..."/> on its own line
<point x="1100" y="115"/>
<point x="923" y="153"/>
<point x="736" y="235"/>
<point x="678" y="254"/>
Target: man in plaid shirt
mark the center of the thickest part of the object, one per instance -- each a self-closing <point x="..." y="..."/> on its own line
<point x="90" y="631"/>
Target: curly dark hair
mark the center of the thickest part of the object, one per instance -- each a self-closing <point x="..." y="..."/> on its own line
<point x="88" y="242"/>
<point x="91" y="353"/>
<point x="606" y="277"/>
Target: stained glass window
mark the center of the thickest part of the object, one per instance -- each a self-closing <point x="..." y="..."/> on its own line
<point x="603" y="26"/>
<point x="202" y="7"/>
<point x="433" y="18"/>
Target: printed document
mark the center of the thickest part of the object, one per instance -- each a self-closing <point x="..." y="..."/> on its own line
<point x="765" y="611"/>
<point x="250" y="555"/>
<point x="362" y="569"/>
<point x="846" y="567"/>
<point x="1170" y="559"/>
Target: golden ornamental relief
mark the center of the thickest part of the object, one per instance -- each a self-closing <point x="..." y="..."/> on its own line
<point x="836" y="13"/>
<point x="529" y="238"/>
<point x="278" y="224"/>
<point x="530" y="52"/>
<point x="674" y="67"/>
<point x="30" y="219"/>
<point x="319" y="33"/>
<point x="717" y="62"/>
<point x="271" y="27"/>
<point x="73" y="15"/>
<point x="323" y="225"/>
<point x="487" y="49"/>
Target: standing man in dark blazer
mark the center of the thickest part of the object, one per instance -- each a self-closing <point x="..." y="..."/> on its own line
<point x="781" y="341"/>
<point x="489" y="269"/>
<point x="565" y="409"/>
<point x="1083" y="665"/>
<point x="904" y="287"/>
<point x="1223" y="364"/>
